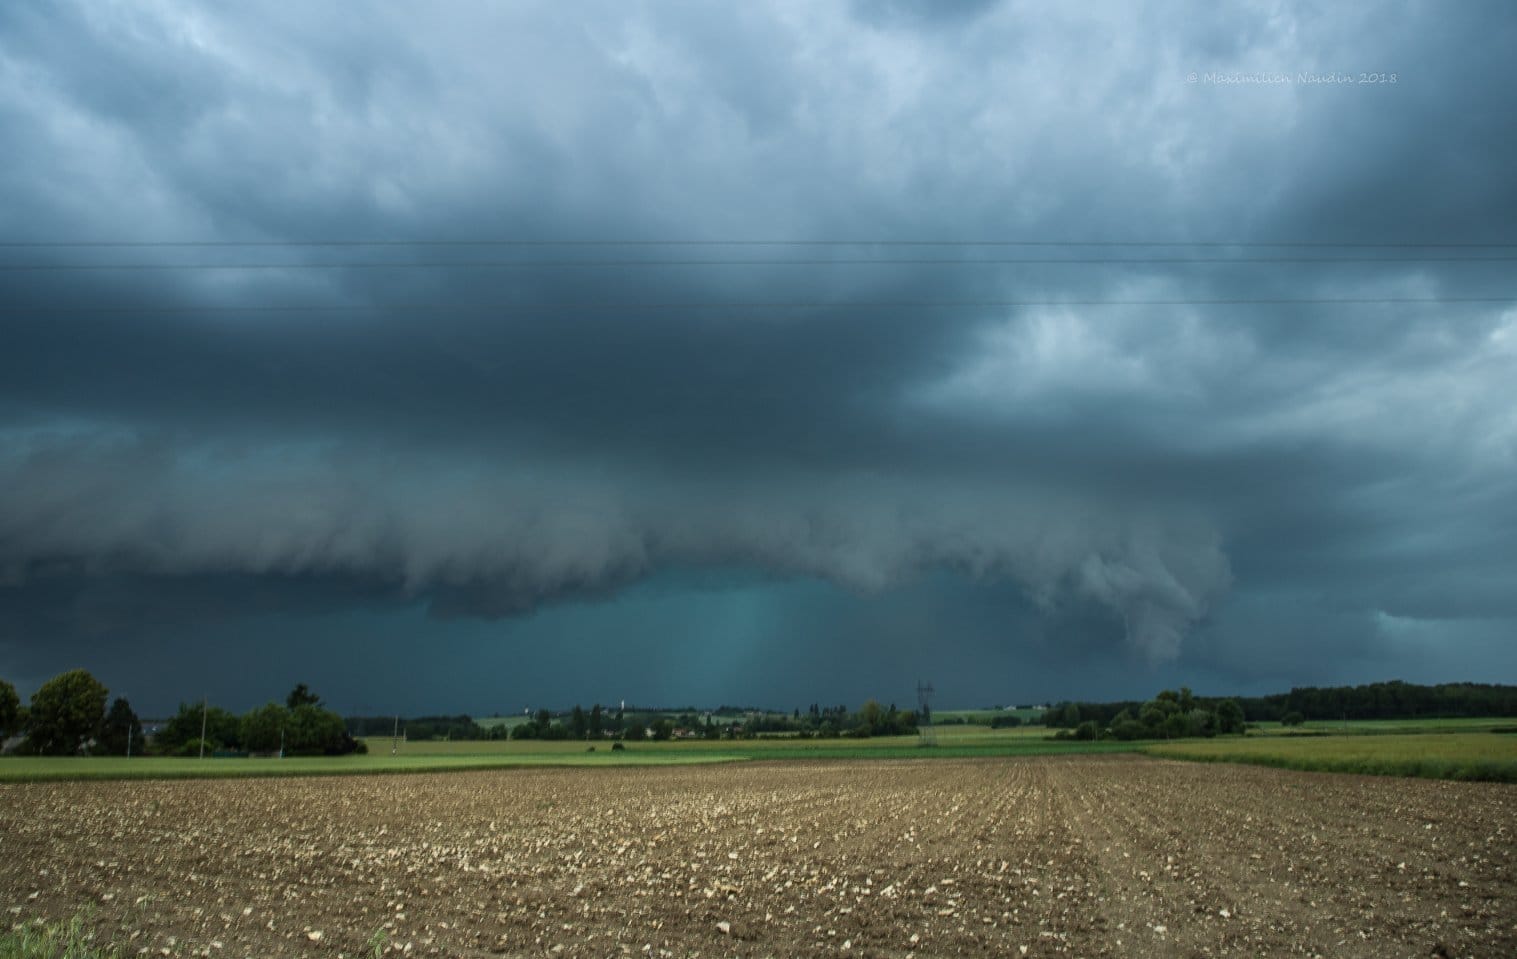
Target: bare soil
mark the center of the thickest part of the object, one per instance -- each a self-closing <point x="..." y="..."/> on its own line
<point x="1099" y="856"/>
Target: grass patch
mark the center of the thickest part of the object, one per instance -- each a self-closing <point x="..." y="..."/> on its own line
<point x="1381" y="727"/>
<point x="441" y="756"/>
<point x="56" y="768"/>
<point x="65" y="940"/>
<point x="1467" y="756"/>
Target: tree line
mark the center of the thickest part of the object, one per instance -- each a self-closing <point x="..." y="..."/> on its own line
<point x="1389" y="700"/>
<point x="817" y="721"/>
<point x="67" y="717"/>
<point x="1172" y="714"/>
<point x="423" y="727"/>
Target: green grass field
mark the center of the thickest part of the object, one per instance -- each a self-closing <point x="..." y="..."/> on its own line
<point x="1380" y="727"/>
<point x="1437" y="752"/>
<point x="436" y="756"/>
<point x="52" y="768"/>
<point x="1451" y="749"/>
<point x="490" y="722"/>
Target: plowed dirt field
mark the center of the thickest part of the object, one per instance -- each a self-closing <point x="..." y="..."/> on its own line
<point x="1076" y="856"/>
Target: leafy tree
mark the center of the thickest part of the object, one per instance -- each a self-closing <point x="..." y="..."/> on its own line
<point x="662" y="729"/>
<point x="122" y="732"/>
<point x="597" y="722"/>
<point x="10" y="710"/>
<point x="222" y="729"/>
<point x="265" y="727"/>
<point x="1292" y="718"/>
<point x="301" y="695"/>
<point x="1229" y="717"/>
<point x="1200" y="722"/>
<point x="66" y="713"/>
<point x="871" y="717"/>
<point x="1088" y="730"/>
<point x="313" y="731"/>
<point x="579" y="723"/>
<point x="635" y="730"/>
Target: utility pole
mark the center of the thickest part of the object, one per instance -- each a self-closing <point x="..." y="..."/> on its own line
<point x="128" y="740"/>
<point x="928" y="736"/>
<point x="204" y="707"/>
<point x="395" y="736"/>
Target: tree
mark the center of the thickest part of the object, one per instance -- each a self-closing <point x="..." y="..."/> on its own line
<point x="301" y="695"/>
<point x="264" y="728"/>
<point x="122" y="732"/>
<point x="10" y="710"/>
<point x="1229" y="717"/>
<point x="1200" y="722"/>
<point x="1292" y="718"/>
<point x="579" y="724"/>
<point x="662" y="729"/>
<point x="313" y="731"/>
<point x="222" y="729"/>
<point x="66" y="713"/>
<point x="597" y="722"/>
<point x="871" y="717"/>
<point x="635" y="730"/>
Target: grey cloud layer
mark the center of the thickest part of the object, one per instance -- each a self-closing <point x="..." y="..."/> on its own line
<point x="500" y="539"/>
<point x="1146" y="458"/>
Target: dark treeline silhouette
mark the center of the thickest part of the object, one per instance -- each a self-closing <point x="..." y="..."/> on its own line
<point x="1390" y="700"/>
<point x="423" y="727"/>
<point x="871" y="719"/>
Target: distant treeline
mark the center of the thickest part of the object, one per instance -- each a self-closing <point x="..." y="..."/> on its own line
<point x="423" y="727"/>
<point x="598" y="722"/>
<point x="1392" y="700"/>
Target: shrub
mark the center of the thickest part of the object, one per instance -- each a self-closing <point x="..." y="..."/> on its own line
<point x="1292" y="718"/>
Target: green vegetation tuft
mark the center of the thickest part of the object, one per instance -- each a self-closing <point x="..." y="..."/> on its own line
<point x="65" y="940"/>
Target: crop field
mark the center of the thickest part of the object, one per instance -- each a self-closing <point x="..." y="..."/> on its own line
<point x="1117" y="855"/>
<point x="1376" y="727"/>
<point x="1442" y="755"/>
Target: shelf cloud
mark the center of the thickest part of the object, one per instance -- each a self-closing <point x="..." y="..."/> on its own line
<point x="521" y="311"/>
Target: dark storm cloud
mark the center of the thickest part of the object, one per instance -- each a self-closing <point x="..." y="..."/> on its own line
<point x="487" y="440"/>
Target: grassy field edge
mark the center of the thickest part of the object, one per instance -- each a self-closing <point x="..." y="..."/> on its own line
<point x="1455" y="770"/>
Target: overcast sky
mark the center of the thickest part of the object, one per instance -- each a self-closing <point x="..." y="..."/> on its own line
<point x="627" y="456"/>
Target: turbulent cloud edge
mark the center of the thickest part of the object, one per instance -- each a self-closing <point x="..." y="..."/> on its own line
<point x="493" y="539"/>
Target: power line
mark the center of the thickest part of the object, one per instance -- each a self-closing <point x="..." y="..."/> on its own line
<point x="860" y="261"/>
<point x="638" y="307"/>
